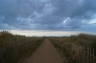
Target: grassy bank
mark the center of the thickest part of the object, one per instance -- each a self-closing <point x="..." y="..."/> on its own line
<point x="73" y="49"/>
<point x="14" y="48"/>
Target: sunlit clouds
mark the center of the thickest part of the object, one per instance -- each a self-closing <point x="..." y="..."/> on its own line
<point x="43" y="33"/>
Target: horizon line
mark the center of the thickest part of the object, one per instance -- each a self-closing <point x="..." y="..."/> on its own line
<point x="46" y="32"/>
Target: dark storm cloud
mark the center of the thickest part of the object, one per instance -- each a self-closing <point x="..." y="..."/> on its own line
<point x="46" y="14"/>
<point x="88" y="8"/>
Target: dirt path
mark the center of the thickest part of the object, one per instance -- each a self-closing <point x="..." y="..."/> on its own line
<point x="46" y="53"/>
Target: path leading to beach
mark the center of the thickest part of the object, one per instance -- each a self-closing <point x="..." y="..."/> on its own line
<point x="46" y="53"/>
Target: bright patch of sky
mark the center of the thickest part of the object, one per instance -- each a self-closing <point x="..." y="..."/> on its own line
<point x="44" y="33"/>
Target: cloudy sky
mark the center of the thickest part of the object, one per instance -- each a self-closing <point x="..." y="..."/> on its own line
<point x="67" y="15"/>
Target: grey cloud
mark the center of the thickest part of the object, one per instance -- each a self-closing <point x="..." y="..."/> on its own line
<point x="46" y="14"/>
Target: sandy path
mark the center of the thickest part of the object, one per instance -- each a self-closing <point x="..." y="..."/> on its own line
<point x="46" y="53"/>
